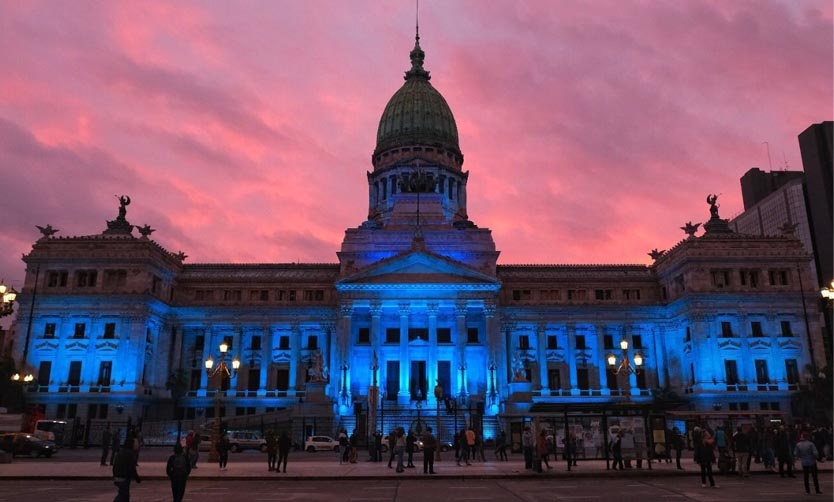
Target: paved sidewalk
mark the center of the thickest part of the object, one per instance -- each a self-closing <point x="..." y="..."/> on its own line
<point x="317" y="469"/>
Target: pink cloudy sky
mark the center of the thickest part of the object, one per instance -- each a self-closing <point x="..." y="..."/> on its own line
<point x="243" y="130"/>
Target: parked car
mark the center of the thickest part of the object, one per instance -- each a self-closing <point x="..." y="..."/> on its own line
<point x="321" y="443"/>
<point x="246" y="440"/>
<point x="205" y="442"/>
<point x="23" y="443"/>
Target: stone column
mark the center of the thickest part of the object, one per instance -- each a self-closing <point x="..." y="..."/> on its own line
<point x="631" y="377"/>
<point x="207" y="344"/>
<point x="460" y="345"/>
<point x="404" y="395"/>
<point x="431" y="370"/>
<point x="570" y="357"/>
<point x="295" y="359"/>
<point x="266" y="358"/>
<point x="602" y="363"/>
<point x="541" y="357"/>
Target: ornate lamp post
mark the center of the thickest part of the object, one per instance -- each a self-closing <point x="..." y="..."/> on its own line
<point x="828" y="292"/>
<point x="438" y="396"/>
<point x="625" y="365"/>
<point x="223" y="371"/>
<point x="7" y="298"/>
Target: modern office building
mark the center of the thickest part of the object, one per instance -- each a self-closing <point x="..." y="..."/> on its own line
<point x="418" y="316"/>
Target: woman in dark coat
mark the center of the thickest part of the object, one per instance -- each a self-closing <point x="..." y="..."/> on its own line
<point x="705" y="456"/>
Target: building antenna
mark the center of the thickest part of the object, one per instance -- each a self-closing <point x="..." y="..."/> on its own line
<point x="417" y="20"/>
<point x="769" y="161"/>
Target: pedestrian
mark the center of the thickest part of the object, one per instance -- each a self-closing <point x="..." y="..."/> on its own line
<point x="570" y="449"/>
<point x="479" y="446"/>
<point x="178" y="469"/>
<point x="372" y="451"/>
<point x="527" y="445"/>
<point x="678" y="443"/>
<point x="343" y="446"/>
<point x="223" y="446"/>
<point x="409" y="447"/>
<point x="782" y="449"/>
<point x="705" y="457"/>
<point x="470" y="445"/>
<point x="353" y="441"/>
<point x="400" y="449"/>
<point x="501" y="446"/>
<point x="541" y="448"/>
<point x="271" y="449"/>
<point x="378" y="446"/>
<point x="392" y="446"/>
<point x="115" y="441"/>
<point x="429" y="447"/>
<point x="617" y="451"/>
<point x="124" y="471"/>
<point x="741" y="443"/>
<point x="284" y="445"/>
<point x="807" y="453"/>
<point x="105" y="445"/>
<point x="138" y="441"/>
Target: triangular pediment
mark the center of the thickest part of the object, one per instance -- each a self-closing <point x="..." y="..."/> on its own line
<point x="418" y="267"/>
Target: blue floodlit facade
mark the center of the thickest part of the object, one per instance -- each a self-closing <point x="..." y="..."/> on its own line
<point x="417" y="299"/>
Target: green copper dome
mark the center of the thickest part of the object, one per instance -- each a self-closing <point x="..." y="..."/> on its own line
<point x="417" y="114"/>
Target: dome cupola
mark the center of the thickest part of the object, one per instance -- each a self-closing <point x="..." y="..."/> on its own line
<point x="417" y="121"/>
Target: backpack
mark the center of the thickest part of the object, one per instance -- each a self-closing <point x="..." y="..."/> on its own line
<point x="179" y="467"/>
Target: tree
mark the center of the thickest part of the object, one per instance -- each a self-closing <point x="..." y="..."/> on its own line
<point x="177" y="383"/>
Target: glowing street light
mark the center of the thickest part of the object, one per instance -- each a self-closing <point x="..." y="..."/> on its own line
<point x="625" y="365"/>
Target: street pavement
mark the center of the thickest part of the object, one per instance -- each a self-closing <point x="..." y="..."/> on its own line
<point x="84" y="464"/>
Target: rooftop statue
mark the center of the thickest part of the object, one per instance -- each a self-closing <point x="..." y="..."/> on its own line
<point x="655" y="253"/>
<point x="124" y="201"/>
<point x="145" y="230"/>
<point x="120" y="225"/>
<point x="713" y="207"/>
<point x="47" y="231"/>
<point x="690" y="228"/>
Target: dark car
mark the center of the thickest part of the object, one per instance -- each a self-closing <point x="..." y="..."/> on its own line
<point x="23" y="443"/>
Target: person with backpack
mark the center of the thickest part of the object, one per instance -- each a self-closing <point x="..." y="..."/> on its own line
<point x="124" y="471"/>
<point x="178" y="469"/>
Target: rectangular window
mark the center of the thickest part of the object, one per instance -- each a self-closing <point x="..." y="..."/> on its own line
<point x="44" y="373"/>
<point x="522" y="295"/>
<point x="603" y="294"/>
<point x="253" y="379"/>
<point x="312" y="342"/>
<point x="282" y="379"/>
<point x="726" y="329"/>
<point x="418" y="334"/>
<point x="110" y="330"/>
<point x="580" y="342"/>
<point x="80" y="328"/>
<point x="778" y="277"/>
<point x="551" y="342"/>
<point x="611" y="379"/>
<point x="318" y="295"/>
<point x="731" y="372"/>
<point x="57" y="279"/>
<point x="156" y="285"/>
<point x="754" y="278"/>
<point x="256" y="342"/>
<point x="551" y="295"/>
<point x="363" y="336"/>
<point x="86" y="278"/>
<point x="786" y="328"/>
<point x="259" y="295"/>
<point x="291" y="295"/>
<point x="756" y="328"/>
<point x="791" y="371"/>
<point x="637" y="341"/>
<point x="641" y="380"/>
<point x="392" y="335"/>
<point x="49" y="330"/>
<point x="578" y="295"/>
<point x="392" y="380"/>
<point x="229" y="341"/>
<point x="688" y="335"/>
<point x="232" y="295"/>
<point x="444" y="374"/>
<point x="115" y="278"/>
<point x="523" y="342"/>
<point x="631" y="294"/>
<point x="444" y="335"/>
<point x="472" y="335"/>
<point x="206" y="295"/>
<point x="308" y="295"/>
<point x="74" y="375"/>
<point x="607" y="342"/>
<point x="554" y="379"/>
<point x="104" y="370"/>
<point x="194" y="381"/>
<point x="582" y="379"/>
<point x="284" y="342"/>
<point x="762" y="376"/>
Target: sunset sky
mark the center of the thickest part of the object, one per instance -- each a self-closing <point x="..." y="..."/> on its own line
<point x="242" y="131"/>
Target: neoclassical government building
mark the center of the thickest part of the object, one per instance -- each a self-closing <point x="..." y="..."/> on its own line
<point x="417" y="302"/>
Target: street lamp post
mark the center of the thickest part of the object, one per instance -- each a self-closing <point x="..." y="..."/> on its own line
<point x="625" y="365"/>
<point x="7" y="298"/>
<point x="223" y="371"/>
<point x="438" y="396"/>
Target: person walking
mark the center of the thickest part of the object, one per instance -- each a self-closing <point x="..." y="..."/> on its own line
<point x="353" y="441"/>
<point x="115" y="441"/>
<point x="378" y="446"/>
<point x="705" y="457"/>
<point x="409" y="448"/>
<point x="105" y="445"/>
<point x="617" y="452"/>
<point x="501" y="446"/>
<point x="124" y="471"/>
<point x="271" y="449"/>
<point x="392" y="446"/>
<point x="470" y="445"/>
<point x="178" y="469"/>
<point x="284" y="445"/>
<point x="807" y="453"/>
<point x="541" y="448"/>
<point x="429" y="447"/>
<point x="372" y="452"/>
<point x="343" y="446"/>
<point x="782" y="449"/>
<point x="223" y="446"/>
<point x="741" y="443"/>
<point x="527" y="444"/>
<point x="400" y="449"/>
